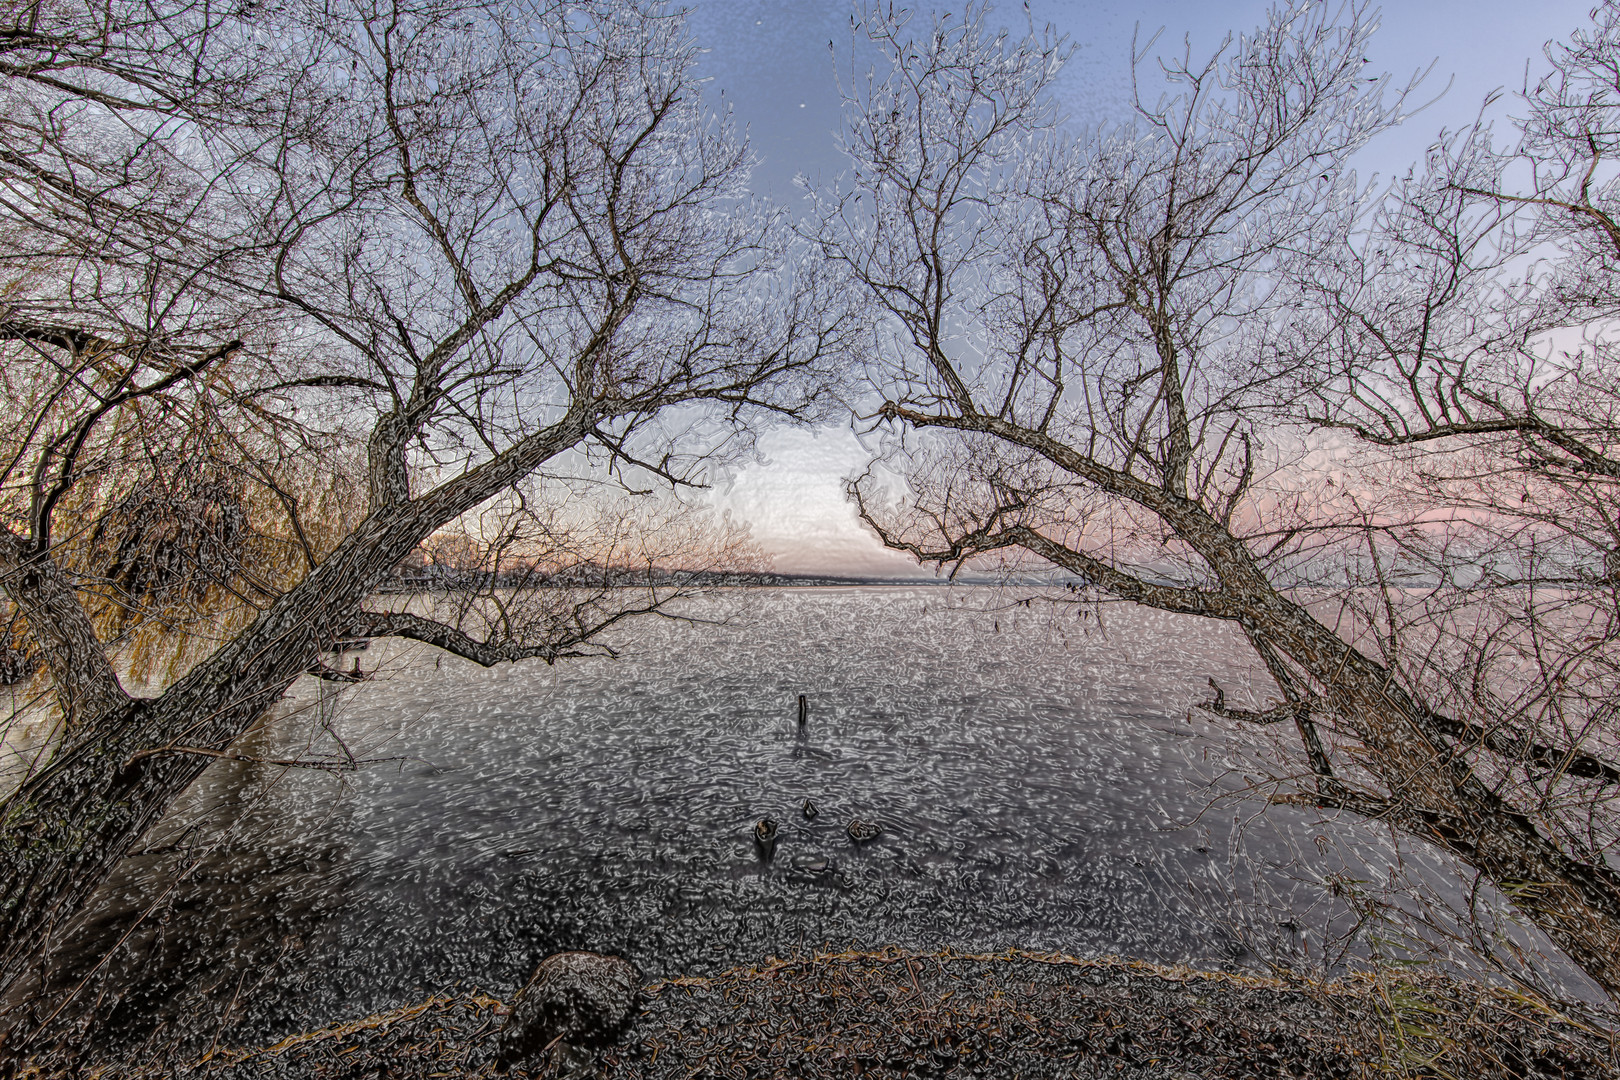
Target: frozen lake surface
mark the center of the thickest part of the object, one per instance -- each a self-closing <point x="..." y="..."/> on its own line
<point x="1038" y="778"/>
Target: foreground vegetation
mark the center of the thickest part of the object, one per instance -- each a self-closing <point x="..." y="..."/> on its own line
<point x="901" y="1014"/>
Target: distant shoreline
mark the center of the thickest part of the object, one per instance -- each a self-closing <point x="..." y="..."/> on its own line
<point x="457" y="582"/>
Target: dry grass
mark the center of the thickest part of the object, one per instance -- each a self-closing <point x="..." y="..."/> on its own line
<point x="898" y="1014"/>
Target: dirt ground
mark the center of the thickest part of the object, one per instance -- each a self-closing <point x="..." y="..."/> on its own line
<point x="896" y="1014"/>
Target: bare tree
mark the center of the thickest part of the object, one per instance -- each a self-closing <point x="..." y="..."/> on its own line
<point x="1104" y="353"/>
<point x="289" y="290"/>
<point x="1465" y="341"/>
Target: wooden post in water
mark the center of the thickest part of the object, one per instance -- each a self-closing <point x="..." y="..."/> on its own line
<point x="804" y="711"/>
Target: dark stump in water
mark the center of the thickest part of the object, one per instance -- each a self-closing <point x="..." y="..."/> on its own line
<point x="574" y="1000"/>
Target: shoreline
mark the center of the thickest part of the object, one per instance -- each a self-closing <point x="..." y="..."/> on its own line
<point x="899" y="1013"/>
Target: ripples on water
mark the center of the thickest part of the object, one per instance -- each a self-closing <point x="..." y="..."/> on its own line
<point x="1034" y="776"/>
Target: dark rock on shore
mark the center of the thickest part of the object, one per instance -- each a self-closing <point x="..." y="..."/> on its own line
<point x="575" y="1000"/>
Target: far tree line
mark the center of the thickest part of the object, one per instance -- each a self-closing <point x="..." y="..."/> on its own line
<point x="289" y="290"/>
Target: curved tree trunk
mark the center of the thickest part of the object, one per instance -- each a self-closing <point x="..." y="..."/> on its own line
<point x="1416" y="755"/>
<point x="1412" y="752"/>
<point x="63" y="830"/>
<point x="1436" y="797"/>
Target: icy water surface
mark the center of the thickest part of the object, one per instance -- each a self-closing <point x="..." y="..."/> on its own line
<point x="1038" y="781"/>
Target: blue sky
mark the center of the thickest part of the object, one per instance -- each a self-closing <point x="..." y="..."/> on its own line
<point x="769" y="59"/>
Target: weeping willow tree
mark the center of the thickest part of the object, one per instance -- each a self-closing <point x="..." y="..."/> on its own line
<point x="176" y="557"/>
<point x="289" y="292"/>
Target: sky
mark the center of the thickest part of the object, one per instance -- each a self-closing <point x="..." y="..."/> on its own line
<point x="769" y="60"/>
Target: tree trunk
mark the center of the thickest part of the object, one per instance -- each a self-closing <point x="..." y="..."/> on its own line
<point x="64" y="829"/>
<point x="1436" y="797"/>
<point x="63" y="633"/>
<point x="1434" y="794"/>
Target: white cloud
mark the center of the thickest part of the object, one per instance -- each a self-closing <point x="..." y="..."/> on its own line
<point x="794" y="501"/>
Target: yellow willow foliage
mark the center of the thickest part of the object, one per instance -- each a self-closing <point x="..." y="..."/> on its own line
<point x="173" y="563"/>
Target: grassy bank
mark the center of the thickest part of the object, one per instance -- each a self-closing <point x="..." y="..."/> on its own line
<point x="1015" y="1014"/>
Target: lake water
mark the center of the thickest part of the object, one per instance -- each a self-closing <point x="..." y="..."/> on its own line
<point x="1038" y="779"/>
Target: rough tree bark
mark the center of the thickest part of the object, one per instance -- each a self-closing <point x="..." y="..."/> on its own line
<point x="1104" y="352"/>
